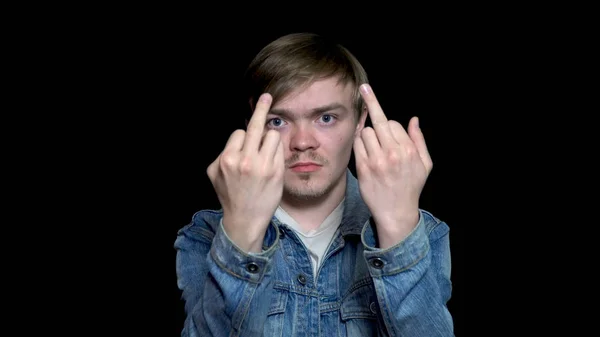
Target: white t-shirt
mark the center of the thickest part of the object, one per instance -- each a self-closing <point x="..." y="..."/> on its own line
<point x="316" y="240"/>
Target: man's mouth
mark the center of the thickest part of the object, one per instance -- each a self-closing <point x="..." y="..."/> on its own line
<point x="305" y="167"/>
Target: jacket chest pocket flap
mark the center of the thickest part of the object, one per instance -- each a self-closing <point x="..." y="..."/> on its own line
<point x="278" y="302"/>
<point x="361" y="303"/>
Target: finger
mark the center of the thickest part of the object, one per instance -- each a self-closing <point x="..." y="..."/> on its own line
<point x="417" y="137"/>
<point x="378" y="118"/>
<point x="270" y="144"/>
<point x="398" y="132"/>
<point x="211" y="170"/>
<point x="278" y="159"/>
<point x="360" y="152"/>
<point x="256" y="125"/>
<point x="235" y="141"/>
<point x="234" y="144"/>
<point x="371" y="142"/>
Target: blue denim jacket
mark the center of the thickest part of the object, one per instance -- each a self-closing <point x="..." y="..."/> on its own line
<point x="360" y="290"/>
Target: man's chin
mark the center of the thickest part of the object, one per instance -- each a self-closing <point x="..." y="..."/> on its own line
<point x="301" y="177"/>
<point x="305" y="191"/>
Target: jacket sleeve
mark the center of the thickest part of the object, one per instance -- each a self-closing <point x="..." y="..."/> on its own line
<point x="226" y="291"/>
<point x="412" y="280"/>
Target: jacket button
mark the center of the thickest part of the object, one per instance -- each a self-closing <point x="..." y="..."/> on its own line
<point x="302" y="279"/>
<point x="252" y="268"/>
<point x="377" y="263"/>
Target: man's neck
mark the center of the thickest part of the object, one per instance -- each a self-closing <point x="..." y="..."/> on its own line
<point x="310" y="214"/>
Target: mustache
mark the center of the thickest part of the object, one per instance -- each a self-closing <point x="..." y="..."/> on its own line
<point x="308" y="156"/>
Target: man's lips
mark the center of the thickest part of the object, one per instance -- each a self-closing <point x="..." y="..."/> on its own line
<point x="305" y="167"/>
<point x="304" y="164"/>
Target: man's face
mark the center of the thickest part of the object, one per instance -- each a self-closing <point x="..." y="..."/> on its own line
<point x="317" y="125"/>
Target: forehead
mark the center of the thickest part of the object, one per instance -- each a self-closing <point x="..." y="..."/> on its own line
<point x="318" y="93"/>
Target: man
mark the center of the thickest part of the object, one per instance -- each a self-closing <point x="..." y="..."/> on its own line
<point x="301" y="247"/>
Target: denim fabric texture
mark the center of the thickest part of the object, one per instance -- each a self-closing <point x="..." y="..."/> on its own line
<point x="360" y="290"/>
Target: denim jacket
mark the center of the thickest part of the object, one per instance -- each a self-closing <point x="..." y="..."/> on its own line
<point x="359" y="290"/>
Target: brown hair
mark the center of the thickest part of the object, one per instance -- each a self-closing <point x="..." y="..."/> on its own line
<point x="298" y="59"/>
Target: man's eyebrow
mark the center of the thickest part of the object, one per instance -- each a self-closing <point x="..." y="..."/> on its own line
<point x="313" y="112"/>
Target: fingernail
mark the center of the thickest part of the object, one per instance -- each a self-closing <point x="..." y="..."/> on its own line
<point x="265" y="98"/>
<point x="418" y="123"/>
<point x="365" y="89"/>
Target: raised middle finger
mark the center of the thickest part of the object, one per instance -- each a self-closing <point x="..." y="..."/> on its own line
<point x="256" y="125"/>
<point x="378" y="117"/>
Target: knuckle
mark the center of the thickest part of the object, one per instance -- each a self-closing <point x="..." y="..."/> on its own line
<point x="394" y="157"/>
<point x="429" y="165"/>
<point x="411" y="152"/>
<point x="210" y="171"/>
<point x="246" y="165"/>
<point x="379" y="164"/>
<point x="228" y="161"/>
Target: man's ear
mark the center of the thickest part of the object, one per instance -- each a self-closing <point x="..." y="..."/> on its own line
<point x="362" y="119"/>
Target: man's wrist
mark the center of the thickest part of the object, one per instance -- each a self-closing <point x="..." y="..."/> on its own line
<point x="392" y="230"/>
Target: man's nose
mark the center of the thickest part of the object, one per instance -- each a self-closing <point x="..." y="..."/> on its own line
<point x="303" y="138"/>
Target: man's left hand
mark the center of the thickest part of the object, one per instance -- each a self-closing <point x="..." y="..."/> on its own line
<point x="392" y="165"/>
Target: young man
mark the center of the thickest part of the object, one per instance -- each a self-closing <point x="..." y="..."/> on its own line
<point x="301" y="247"/>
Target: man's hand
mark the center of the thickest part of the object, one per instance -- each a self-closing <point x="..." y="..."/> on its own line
<point x="392" y="167"/>
<point x="248" y="179"/>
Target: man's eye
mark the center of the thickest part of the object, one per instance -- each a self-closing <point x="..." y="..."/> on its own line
<point x="327" y="118"/>
<point x="275" y="122"/>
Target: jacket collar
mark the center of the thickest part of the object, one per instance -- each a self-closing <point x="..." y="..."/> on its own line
<point x="356" y="212"/>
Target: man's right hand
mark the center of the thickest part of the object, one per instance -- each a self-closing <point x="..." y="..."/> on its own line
<point x="248" y="179"/>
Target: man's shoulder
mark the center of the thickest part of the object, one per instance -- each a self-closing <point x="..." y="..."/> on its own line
<point x="203" y="225"/>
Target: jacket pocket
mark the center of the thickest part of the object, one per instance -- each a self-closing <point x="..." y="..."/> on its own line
<point x="360" y="303"/>
<point x="275" y="323"/>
